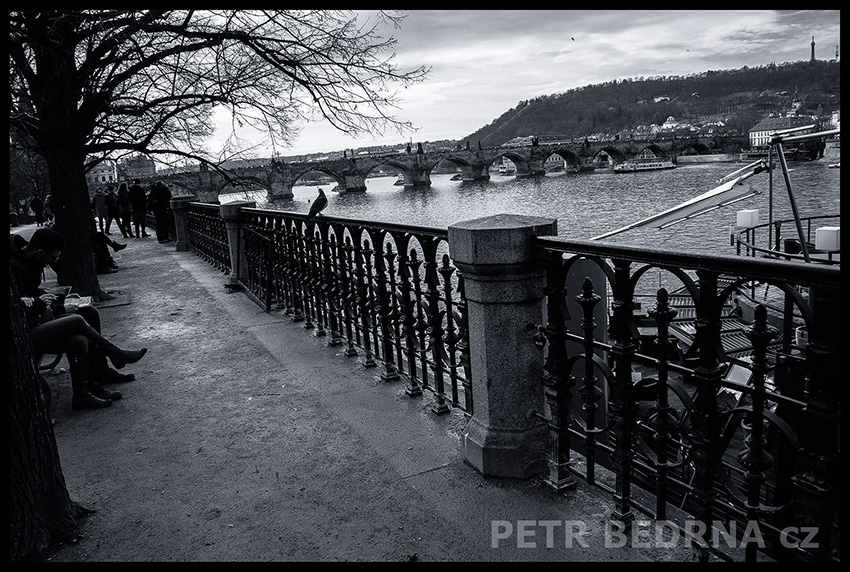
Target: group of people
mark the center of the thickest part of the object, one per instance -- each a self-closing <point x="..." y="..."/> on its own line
<point x="128" y="207"/>
<point x="75" y="330"/>
<point x="65" y="329"/>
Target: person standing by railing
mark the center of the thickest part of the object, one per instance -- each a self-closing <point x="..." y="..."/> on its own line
<point x="112" y="209"/>
<point x="160" y="202"/>
<point x="99" y="208"/>
<point x="124" y="210"/>
<point x="139" y="205"/>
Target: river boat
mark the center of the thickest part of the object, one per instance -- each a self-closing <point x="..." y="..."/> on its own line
<point x="399" y="181"/>
<point x="644" y="164"/>
<point x="505" y="171"/>
<point x="834" y="165"/>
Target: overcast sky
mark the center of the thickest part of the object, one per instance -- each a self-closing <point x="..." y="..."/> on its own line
<point x="484" y="62"/>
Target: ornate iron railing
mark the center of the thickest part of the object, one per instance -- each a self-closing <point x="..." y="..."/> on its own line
<point x="677" y="425"/>
<point x="387" y="292"/>
<point x="208" y="235"/>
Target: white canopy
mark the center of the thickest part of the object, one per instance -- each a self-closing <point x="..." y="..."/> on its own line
<point x="725" y="194"/>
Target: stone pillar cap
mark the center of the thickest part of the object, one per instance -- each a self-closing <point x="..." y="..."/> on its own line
<point x="499" y="239"/>
<point x="232" y="209"/>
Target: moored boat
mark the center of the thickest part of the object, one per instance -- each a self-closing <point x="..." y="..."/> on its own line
<point x="644" y="164"/>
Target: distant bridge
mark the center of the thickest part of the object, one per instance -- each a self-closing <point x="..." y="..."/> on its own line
<point x="349" y="173"/>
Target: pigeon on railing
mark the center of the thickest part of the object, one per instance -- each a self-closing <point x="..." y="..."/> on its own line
<point x="318" y="205"/>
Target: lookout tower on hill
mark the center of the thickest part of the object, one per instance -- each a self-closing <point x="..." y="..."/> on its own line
<point x="813" y="48"/>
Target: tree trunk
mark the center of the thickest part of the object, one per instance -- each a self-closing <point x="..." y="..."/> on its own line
<point x="74" y="221"/>
<point x="41" y="513"/>
<point x="61" y="137"/>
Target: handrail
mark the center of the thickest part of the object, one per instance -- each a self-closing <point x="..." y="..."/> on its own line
<point x="750" y="249"/>
<point x="754" y="268"/>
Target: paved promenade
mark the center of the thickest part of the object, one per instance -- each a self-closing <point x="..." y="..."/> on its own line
<point x="246" y="438"/>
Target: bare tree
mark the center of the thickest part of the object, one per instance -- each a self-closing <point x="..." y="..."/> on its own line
<point x="88" y="85"/>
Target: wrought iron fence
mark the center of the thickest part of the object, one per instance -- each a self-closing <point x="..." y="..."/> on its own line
<point x="208" y="235"/>
<point x="680" y="422"/>
<point x="389" y="293"/>
<point x="682" y="407"/>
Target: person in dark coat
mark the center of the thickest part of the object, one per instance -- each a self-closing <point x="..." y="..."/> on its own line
<point x="159" y="202"/>
<point x="139" y="206"/>
<point x="48" y="210"/>
<point x="37" y="206"/>
<point x="125" y="210"/>
<point x="57" y="328"/>
<point x="98" y="205"/>
<point x="112" y="210"/>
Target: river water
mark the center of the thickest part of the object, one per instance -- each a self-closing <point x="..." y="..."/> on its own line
<point x="586" y="204"/>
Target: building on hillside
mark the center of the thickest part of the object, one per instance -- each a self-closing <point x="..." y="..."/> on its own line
<point x="137" y="166"/>
<point x="103" y="173"/>
<point x="762" y="132"/>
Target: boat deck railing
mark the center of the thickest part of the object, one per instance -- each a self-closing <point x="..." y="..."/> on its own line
<point x="780" y="240"/>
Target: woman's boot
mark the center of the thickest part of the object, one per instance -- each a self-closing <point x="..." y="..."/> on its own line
<point x="82" y="396"/>
<point x="98" y="391"/>
<point x="120" y="358"/>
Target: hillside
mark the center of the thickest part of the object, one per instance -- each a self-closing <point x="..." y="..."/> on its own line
<point x="740" y="98"/>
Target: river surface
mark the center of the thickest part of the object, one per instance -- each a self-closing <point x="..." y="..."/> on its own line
<point x="586" y="204"/>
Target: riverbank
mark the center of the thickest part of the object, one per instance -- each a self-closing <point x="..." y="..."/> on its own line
<point x="246" y="438"/>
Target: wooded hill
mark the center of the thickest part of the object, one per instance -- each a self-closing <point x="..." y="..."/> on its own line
<point x="740" y="98"/>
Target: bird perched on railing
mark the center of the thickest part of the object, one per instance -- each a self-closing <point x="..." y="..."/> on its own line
<point x="318" y="205"/>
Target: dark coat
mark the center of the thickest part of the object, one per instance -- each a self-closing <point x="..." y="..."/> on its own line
<point x="138" y="198"/>
<point x="160" y="198"/>
<point x="28" y="272"/>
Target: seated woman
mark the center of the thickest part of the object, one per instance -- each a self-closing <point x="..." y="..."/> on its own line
<point x="76" y="335"/>
<point x="72" y="335"/>
<point x="103" y="261"/>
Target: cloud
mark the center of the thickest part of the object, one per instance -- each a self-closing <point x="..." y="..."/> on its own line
<point x="484" y="62"/>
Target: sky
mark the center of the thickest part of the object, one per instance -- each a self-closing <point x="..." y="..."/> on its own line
<point x="485" y="62"/>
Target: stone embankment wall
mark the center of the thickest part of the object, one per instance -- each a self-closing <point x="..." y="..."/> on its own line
<point x="715" y="158"/>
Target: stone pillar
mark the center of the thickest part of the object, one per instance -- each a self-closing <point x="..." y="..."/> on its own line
<point x="354" y="182"/>
<point x="279" y="180"/>
<point x="420" y="177"/>
<point x="504" y="280"/>
<point x="180" y="208"/>
<point x="474" y="173"/>
<point x="230" y="213"/>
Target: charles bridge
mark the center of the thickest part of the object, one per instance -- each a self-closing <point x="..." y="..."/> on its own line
<point x="416" y="165"/>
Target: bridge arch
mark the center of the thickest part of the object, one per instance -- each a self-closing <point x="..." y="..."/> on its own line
<point x="522" y="164"/>
<point x="696" y="148"/>
<point x="570" y="157"/>
<point x="337" y="177"/>
<point x="655" y="150"/>
<point x="608" y="156"/>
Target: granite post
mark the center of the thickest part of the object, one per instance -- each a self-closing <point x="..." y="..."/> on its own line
<point x="504" y="278"/>
<point x="231" y="213"/>
<point x="180" y="209"/>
